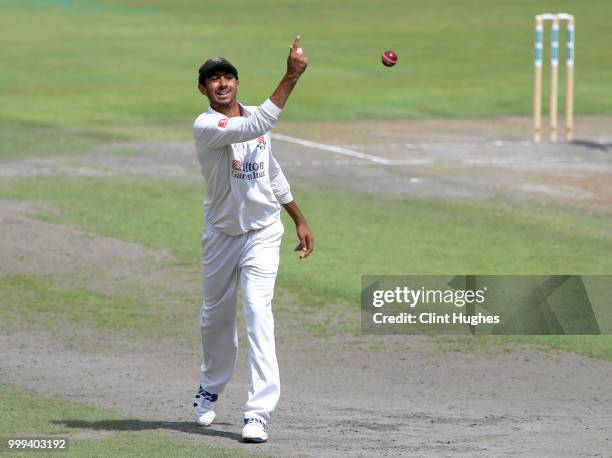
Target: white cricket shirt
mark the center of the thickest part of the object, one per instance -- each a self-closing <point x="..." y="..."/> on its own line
<point x="245" y="183"/>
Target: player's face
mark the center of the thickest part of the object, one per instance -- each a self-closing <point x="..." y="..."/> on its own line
<point x="220" y="88"/>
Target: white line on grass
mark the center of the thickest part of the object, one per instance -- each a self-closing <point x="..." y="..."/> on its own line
<point x="459" y="144"/>
<point x="333" y="149"/>
<point x="417" y="161"/>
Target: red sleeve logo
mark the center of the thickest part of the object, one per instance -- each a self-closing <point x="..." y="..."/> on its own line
<point x="222" y="122"/>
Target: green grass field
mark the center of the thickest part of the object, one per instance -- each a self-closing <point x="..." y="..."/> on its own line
<point x="29" y="300"/>
<point x="411" y="236"/>
<point x="129" y="67"/>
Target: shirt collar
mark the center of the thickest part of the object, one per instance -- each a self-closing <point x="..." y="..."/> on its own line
<point x="245" y="112"/>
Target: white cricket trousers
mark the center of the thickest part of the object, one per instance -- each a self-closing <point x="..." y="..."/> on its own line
<point x="251" y="259"/>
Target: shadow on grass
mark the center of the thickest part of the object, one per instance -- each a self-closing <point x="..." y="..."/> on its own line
<point x="139" y="425"/>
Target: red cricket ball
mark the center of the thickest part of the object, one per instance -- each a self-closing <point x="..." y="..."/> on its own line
<point x="388" y="58"/>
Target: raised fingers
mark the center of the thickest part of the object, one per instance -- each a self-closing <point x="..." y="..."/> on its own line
<point x="296" y="43"/>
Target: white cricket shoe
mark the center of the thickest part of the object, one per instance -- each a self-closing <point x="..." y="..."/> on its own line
<point x="204" y="407"/>
<point x="254" y="431"/>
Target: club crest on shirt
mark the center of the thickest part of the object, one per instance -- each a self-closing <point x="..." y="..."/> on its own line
<point x="261" y="142"/>
<point x="223" y="122"/>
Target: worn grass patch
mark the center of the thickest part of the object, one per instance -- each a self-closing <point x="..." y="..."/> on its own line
<point x="110" y="434"/>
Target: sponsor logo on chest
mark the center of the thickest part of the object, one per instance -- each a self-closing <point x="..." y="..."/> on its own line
<point x="248" y="170"/>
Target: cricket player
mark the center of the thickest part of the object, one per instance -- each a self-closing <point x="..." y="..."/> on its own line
<point x="241" y="237"/>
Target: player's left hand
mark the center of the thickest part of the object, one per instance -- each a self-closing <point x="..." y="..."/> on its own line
<point x="306" y="245"/>
<point x="297" y="60"/>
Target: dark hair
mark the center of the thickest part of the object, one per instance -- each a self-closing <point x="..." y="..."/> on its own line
<point x="202" y="78"/>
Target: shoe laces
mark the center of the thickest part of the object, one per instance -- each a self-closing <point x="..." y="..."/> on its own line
<point x="205" y="399"/>
<point x="249" y="421"/>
